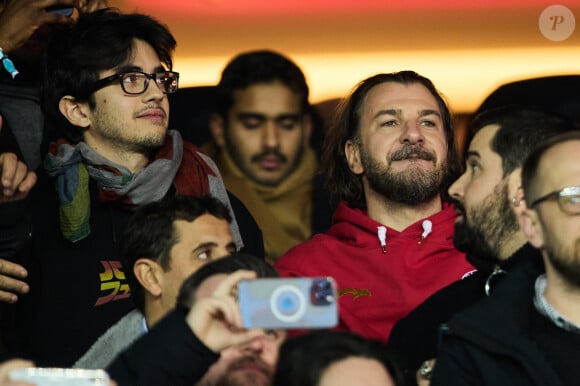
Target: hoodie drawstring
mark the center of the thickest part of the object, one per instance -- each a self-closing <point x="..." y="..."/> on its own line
<point x="427" y="228"/>
<point x="382" y="235"/>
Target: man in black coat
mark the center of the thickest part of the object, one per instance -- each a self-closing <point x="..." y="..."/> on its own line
<point x="528" y="332"/>
<point x="488" y="198"/>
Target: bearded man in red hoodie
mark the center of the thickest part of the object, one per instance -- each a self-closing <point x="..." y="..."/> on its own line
<point x="388" y="162"/>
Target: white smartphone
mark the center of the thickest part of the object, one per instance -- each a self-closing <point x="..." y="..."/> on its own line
<point x="288" y="303"/>
<point x="48" y="376"/>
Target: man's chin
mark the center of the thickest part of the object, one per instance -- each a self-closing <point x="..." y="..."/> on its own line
<point x="247" y="376"/>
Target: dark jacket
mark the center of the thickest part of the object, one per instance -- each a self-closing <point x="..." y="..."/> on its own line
<point x="169" y="354"/>
<point x="493" y="342"/>
<point x="416" y="336"/>
<point x="77" y="290"/>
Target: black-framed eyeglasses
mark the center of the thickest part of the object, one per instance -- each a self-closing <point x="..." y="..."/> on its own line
<point x="568" y="199"/>
<point x="136" y="82"/>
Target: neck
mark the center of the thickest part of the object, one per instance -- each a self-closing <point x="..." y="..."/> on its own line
<point x="153" y="314"/>
<point x="134" y="161"/>
<point x="563" y="296"/>
<point x="399" y="216"/>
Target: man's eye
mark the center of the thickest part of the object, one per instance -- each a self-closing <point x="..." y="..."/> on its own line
<point x="428" y="123"/>
<point x="391" y="122"/>
<point x="288" y="124"/>
<point x="252" y="123"/>
<point x="131" y="78"/>
<point x="204" y="255"/>
<point x="473" y="166"/>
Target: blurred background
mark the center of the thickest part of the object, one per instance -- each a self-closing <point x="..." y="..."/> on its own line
<point x="467" y="47"/>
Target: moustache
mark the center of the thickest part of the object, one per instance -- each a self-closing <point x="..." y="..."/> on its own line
<point x="251" y="360"/>
<point x="269" y="153"/>
<point x="411" y="151"/>
<point x="458" y="206"/>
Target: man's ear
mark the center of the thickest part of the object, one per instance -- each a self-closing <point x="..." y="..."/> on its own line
<point x="352" y="152"/>
<point x="148" y="274"/>
<point x="217" y="128"/>
<point x="75" y="112"/>
<point x="516" y="192"/>
<point x="531" y="227"/>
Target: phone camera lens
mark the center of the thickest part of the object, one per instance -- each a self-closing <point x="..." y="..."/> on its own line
<point x="288" y="303"/>
<point x="321" y="292"/>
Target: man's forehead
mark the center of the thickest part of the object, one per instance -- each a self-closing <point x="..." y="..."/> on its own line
<point x="262" y="100"/>
<point x="482" y="139"/>
<point x="567" y="172"/>
<point x="394" y="95"/>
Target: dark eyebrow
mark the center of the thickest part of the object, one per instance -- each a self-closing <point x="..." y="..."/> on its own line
<point x="399" y="112"/>
<point x="423" y="113"/>
<point x="209" y="244"/>
<point x="395" y="112"/>
<point x="283" y="117"/>
<point x="473" y="153"/>
<point x="133" y="68"/>
<point x="243" y="115"/>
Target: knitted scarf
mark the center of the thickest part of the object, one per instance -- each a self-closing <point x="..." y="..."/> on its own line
<point x="283" y="212"/>
<point x="177" y="163"/>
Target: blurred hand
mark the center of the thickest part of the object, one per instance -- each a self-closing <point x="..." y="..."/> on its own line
<point x="86" y="6"/>
<point x="216" y="320"/>
<point x="11" y="284"/>
<point x="6" y="367"/>
<point x="16" y="180"/>
<point x="19" y="19"/>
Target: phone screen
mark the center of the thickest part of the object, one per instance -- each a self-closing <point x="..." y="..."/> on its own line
<point x="61" y="10"/>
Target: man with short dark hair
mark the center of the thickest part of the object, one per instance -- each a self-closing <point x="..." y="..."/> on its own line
<point x="106" y="80"/>
<point x="182" y="349"/>
<point x="261" y="135"/>
<point x="528" y="331"/>
<point x="164" y="242"/>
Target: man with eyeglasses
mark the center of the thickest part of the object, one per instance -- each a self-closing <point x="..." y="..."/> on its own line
<point x="105" y="85"/>
<point x="528" y="332"/>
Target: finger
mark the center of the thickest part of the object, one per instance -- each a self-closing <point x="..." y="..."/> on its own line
<point x="15" y="286"/>
<point x="28" y="182"/>
<point x="8" y="297"/>
<point x="227" y="286"/>
<point x="10" y="365"/>
<point x="247" y="336"/>
<point x="8" y="167"/>
<point x="19" y="175"/>
<point x="10" y="268"/>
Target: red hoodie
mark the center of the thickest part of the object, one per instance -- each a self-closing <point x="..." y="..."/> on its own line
<point x="381" y="276"/>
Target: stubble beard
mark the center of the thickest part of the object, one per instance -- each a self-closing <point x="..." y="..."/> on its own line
<point x="566" y="261"/>
<point x="123" y="139"/>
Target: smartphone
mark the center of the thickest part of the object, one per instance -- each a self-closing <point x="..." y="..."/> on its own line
<point x="63" y="10"/>
<point x="45" y="376"/>
<point x="288" y="303"/>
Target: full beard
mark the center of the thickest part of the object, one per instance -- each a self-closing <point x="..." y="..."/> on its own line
<point x="488" y="226"/>
<point x="410" y="187"/>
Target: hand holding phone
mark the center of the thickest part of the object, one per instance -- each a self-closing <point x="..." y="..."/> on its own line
<point x="63" y="10"/>
<point x="288" y="303"/>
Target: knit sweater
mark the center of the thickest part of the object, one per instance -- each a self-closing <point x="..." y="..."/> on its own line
<point x="116" y="339"/>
